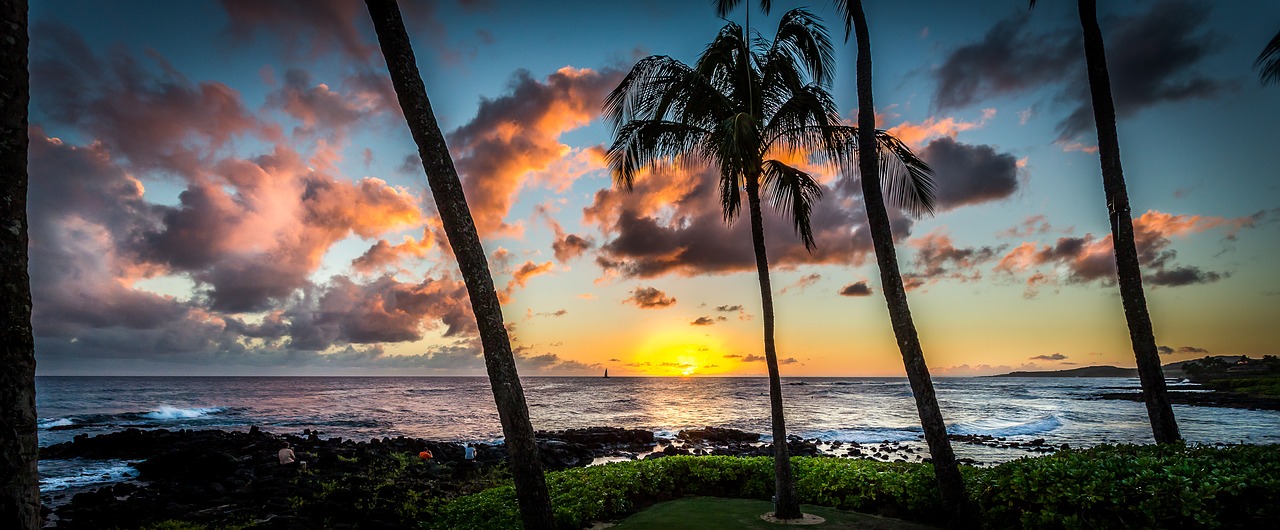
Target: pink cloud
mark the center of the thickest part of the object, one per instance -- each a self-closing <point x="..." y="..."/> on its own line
<point x="514" y="139"/>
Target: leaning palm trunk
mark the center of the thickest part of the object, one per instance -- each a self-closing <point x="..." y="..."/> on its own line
<point x="531" y="486"/>
<point x="1156" y="397"/>
<point x="786" y="503"/>
<point x="950" y="483"/>
<point x="19" y="481"/>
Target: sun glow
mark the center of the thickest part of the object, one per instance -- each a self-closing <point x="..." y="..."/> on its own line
<point x="679" y="353"/>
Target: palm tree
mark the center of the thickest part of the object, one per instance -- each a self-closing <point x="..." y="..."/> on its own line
<point x="1268" y="62"/>
<point x="513" y="412"/>
<point x="738" y="107"/>
<point x="1134" y="299"/>
<point x="19" y="479"/>
<point x="950" y="483"/>
<point x="910" y="188"/>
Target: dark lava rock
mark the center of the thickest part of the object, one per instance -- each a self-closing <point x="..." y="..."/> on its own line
<point x="717" y="435"/>
<point x="602" y="437"/>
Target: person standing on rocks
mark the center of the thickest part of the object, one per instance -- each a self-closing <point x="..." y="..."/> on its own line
<point x="288" y="458"/>
<point x="469" y="457"/>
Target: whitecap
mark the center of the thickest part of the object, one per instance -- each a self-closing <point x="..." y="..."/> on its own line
<point x="74" y="474"/>
<point x="166" y="412"/>
<point x="50" y="423"/>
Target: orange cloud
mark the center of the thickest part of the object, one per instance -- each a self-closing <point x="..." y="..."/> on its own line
<point x="915" y="135"/>
<point x="514" y="140"/>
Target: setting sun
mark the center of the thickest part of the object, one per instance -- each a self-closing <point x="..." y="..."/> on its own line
<point x="679" y="353"/>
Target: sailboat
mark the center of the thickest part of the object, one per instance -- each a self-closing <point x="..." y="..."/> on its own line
<point x="606" y="373"/>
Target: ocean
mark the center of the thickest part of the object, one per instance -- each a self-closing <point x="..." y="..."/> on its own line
<point x="458" y="409"/>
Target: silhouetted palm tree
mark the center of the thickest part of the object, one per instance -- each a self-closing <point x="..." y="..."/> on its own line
<point x="526" y="469"/>
<point x="1151" y="375"/>
<point x="897" y="167"/>
<point x="950" y="483"/>
<point x="738" y="107"/>
<point x="1268" y="62"/>
<point x="19" y="479"/>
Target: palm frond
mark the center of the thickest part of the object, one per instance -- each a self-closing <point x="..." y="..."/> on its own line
<point x="907" y="179"/>
<point x="794" y="192"/>
<point x="803" y="39"/>
<point x="642" y="144"/>
<point x="1268" y="62"/>
<point x="811" y="106"/>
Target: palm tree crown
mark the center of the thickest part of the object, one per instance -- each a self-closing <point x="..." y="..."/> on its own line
<point x="666" y="110"/>
<point x="741" y="105"/>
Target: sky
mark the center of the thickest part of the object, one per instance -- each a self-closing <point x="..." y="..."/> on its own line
<point x="229" y="188"/>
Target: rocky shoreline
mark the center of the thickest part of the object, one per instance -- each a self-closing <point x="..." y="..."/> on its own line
<point x="231" y="477"/>
<point x="1201" y="398"/>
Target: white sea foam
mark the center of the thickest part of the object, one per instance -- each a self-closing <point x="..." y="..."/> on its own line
<point x="50" y="423"/>
<point x="65" y="477"/>
<point x="166" y="412"/>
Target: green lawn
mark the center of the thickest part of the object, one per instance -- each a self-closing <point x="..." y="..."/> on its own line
<point x="744" y="514"/>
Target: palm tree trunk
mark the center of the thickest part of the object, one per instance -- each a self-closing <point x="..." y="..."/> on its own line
<point x="950" y="483"/>
<point x="446" y="188"/>
<point x="786" y="504"/>
<point x="1160" y="412"/>
<point x="19" y="479"/>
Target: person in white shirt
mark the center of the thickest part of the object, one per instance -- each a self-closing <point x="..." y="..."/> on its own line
<point x="288" y="458"/>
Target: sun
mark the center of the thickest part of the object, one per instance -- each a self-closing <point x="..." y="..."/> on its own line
<point x="679" y="353"/>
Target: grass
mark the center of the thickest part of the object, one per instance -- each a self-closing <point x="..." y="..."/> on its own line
<point x="744" y="514"/>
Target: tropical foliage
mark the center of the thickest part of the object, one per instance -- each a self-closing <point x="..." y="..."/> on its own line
<point x="1125" y="486"/>
<point x="744" y="107"/>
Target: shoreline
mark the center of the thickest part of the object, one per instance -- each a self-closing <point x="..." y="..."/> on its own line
<point x="229" y="473"/>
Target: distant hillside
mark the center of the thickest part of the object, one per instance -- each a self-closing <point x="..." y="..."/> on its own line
<point x="1084" y="371"/>
<point x="1171" y="370"/>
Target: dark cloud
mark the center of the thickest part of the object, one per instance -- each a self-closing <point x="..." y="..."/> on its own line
<point x="969" y="174"/>
<point x="565" y="246"/>
<point x="1167" y="350"/>
<point x="307" y="28"/>
<point x="1006" y="60"/>
<point x="671" y="223"/>
<point x="753" y="358"/>
<point x="384" y="310"/>
<point x="703" y="321"/>
<point x="936" y="258"/>
<point x="323" y="111"/>
<point x="1181" y="276"/>
<point x="570" y="246"/>
<point x="1151" y="58"/>
<point x="649" y="298"/>
<point x="1088" y="258"/>
<point x="1053" y="357"/>
<point x="859" y="288"/>
<point x="729" y="308"/>
<point x="788" y="360"/>
<point x="151" y="120"/>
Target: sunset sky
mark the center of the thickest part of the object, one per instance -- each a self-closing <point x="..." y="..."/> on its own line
<point x="230" y="188"/>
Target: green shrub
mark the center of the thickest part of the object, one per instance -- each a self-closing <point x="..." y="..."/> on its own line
<point x="1104" y="487"/>
<point x="1134" y="487"/>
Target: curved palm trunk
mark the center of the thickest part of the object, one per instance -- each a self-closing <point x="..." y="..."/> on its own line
<point x="950" y="483"/>
<point x="1163" y="424"/>
<point x="526" y="469"/>
<point x="786" y="505"/>
<point x="19" y="481"/>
